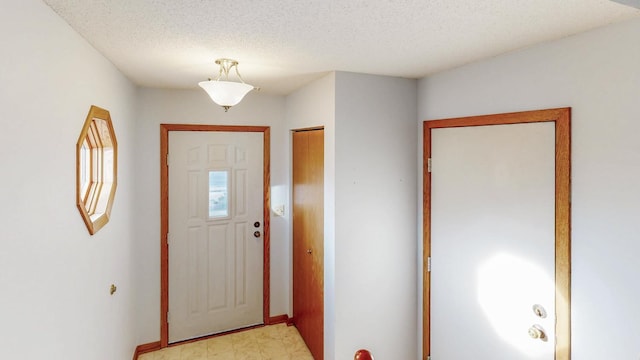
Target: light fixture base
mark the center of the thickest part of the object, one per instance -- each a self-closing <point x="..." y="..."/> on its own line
<point x="225" y="66"/>
<point x="225" y="61"/>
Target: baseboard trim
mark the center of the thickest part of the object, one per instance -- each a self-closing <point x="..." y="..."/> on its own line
<point x="145" y="348"/>
<point x="290" y="321"/>
<point x="279" y="319"/>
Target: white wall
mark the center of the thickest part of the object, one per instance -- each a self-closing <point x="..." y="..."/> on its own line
<point x="157" y="106"/>
<point x="54" y="276"/>
<point x="314" y="106"/>
<point x="375" y="215"/>
<point x="370" y="167"/>
<point x="598" y="75"/>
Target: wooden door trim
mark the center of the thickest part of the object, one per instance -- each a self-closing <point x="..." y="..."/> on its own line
<point x="562" y="119"/>
<point x="164" y="215"/>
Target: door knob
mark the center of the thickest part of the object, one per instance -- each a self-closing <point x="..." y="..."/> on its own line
<point x="537" y="332"/>
<point x="309" y="251"/>
<point x="256" y="234"/>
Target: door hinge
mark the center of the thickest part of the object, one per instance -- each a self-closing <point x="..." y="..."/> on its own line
<point x="168" y="317"/>
<point x="429" y="357"/>
<point x="429" y="264"/>
<point x="167" y="159"/>
<point x="429" y="165"/>
<point x="168" y="238"/>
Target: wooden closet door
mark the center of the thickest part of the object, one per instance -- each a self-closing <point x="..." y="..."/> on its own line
<point x="308" y="238"/>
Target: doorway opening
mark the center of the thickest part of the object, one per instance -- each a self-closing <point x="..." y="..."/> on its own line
<point x="165" y="130"/>
<point x="561" y="120"/>
<point x="308" y="237"/>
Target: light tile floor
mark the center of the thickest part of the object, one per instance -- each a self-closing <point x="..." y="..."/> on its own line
<point x="275" y="342"/>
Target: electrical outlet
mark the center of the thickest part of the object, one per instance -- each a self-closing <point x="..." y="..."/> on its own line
<point x="279" y="210"/>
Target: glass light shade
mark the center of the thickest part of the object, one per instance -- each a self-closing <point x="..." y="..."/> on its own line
<point x="225" y="93"/>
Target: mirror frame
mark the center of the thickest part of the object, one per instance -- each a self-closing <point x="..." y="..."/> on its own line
<point x="95" y="195"/>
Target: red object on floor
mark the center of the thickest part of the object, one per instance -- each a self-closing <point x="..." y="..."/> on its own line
<point x="363" y="355"/>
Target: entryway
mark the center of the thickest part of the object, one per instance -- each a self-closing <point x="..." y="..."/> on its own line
<point x="215" y="229"/>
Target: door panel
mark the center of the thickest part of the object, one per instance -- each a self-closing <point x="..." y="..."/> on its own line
<point x="492" y="241"/>
<point x="308" y="238"/>
<point x="482" y="286"/>
<point x="215" y="261"/>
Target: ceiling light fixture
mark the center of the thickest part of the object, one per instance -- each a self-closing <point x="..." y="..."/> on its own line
<point x="222" y="91"/>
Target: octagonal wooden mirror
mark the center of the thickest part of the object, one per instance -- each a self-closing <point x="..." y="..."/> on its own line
<point x="96" y="169"/>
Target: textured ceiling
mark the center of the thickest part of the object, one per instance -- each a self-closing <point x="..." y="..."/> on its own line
<point x="284" y="44"/>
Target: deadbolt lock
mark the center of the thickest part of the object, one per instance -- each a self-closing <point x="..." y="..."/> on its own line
<point x="539" y="311"/>
<point x="256" y="224"/>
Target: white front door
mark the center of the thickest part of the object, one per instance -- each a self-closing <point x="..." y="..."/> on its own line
<point x="215" y="232"/>
<point x="492" y="242"/>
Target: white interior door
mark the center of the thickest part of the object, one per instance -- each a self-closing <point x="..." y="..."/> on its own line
<point x="492" y="242"/>
<point x="215" y="232"/>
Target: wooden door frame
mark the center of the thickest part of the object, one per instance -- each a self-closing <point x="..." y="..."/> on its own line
<point x="562" y="119"/>
<point x="164" y="215"/>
